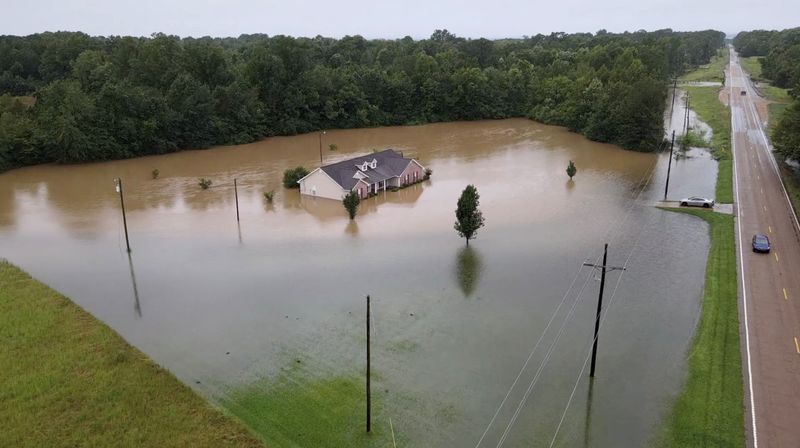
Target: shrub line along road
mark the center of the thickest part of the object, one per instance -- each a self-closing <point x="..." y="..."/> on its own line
<point x="769" y="290"/>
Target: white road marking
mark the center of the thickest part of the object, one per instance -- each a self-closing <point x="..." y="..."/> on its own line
<point x="741" y="264"/>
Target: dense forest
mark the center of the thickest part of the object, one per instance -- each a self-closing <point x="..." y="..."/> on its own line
<point x="70" y="97"/>
<point x="780" y="63"/>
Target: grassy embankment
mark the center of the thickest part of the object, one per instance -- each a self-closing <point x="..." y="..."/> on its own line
<point x="709" y="410"/>
<point x="705" y="102"/>
<point x="778" y="97"/>
<point x="67" y="379"/>
<point x="713" y="71"/>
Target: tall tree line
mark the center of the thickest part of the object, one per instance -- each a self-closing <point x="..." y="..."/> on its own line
<point x="97" y="98"/>
<point x="779" y="53"/>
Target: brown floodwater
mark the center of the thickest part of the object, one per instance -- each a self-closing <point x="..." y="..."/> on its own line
<point x="223" y="304"/>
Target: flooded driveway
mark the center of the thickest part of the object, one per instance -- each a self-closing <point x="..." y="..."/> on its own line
<point x="227" y="306"/>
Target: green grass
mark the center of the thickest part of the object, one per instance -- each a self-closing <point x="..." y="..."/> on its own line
<point x="775" y="110"/>
<point x="68" y="380"/>
<point x="299" y="410"/>
<point x="693" y="139"/>
<point x="752" y="65"/>
<point x="792" y="183"/>
<point x="705" y="101"/>
<point x="713" y="71"/>
<point x="709" y="410"/>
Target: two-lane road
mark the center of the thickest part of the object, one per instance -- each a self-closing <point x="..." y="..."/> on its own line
<point x="770" y="283"/>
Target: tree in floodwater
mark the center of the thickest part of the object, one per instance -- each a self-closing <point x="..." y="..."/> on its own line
<point x="468" y="217"/>
<point x="571" y="170"/>
<point x="351" y="203"/>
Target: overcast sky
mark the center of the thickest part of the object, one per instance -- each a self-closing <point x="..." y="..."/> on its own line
<point x="395" y="19"/>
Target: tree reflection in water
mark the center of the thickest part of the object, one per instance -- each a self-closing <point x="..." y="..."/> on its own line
<point x="468" y="269"/>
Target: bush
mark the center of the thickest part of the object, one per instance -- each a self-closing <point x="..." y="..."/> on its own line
<point x="351" y="203"/>
<point x="204" y="183"/>
<point x="269" y="195"/>
<point x="333" y="146"/>
<point x="292" y="175"/>
<point x="428" y="173"/>
<point x="155" y="173"/>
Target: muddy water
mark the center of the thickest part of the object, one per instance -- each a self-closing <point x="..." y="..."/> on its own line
<point x="223" y="305"/>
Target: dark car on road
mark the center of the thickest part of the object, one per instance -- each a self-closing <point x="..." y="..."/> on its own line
<point x="761" y="244"/>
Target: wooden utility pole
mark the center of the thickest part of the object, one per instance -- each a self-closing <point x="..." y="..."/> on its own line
<point x="603" y="268"/>
<point x="124" y="219"/>
<point x="321" y="133"/>
<point x="669" y="165"/>
<point x="236" y="198"/>
<point x="672" y="106"/>
<point x="369" y="396"/>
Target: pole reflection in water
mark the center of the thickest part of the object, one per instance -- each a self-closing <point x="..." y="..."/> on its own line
<point x="239" y="228"/>
<point x="136" y="305"/>
<point x="587" y="425"/>
<point x="468" y="269"/>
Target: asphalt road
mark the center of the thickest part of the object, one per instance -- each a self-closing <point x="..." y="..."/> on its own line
<point x="769" y="287"/>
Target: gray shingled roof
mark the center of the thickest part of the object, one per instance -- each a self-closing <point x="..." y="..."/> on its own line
<point x="390" y="164"/>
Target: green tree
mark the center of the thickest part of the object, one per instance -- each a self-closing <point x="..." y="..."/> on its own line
<point x="786" y="136"/>
<point x="351" y="202"/>
<point x="292" y="175"/>
<point x="571" y="170"/>
<point x="468" y="217"/>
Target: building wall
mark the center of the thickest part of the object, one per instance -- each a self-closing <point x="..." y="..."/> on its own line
<point x="364" y="189"/>
<point x="320" y="185"/>
<point x="412" y="168"/>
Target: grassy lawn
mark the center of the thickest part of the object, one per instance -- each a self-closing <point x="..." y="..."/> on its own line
<point x="713" y="71"/>
<point x="709" y="411"/>
<point x="705" y="101"/>
<point x="68" y="380"/>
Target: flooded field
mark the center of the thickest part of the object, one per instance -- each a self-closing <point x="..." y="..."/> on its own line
<point x="266" y="317"/>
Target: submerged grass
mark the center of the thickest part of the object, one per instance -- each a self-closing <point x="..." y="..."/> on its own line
<point x="68" y="380"/>
<point x="705" y="102"/>
<point x="713" y="71"/>
<point x="297" y="410"/>
<point x="709" y="410"/>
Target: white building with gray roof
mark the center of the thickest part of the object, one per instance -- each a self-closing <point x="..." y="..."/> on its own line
<point x="365" y="175"/>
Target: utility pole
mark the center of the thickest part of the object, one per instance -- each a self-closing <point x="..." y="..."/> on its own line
<point x="669" y="165"/>
<point x="603" y="268"/>
<point x="236" y="197"/>
<point x="672" y="106"/>
<point x="321" y="133"/>
<point x="124" y="219"/>
<point x="686" y="119"/>
<point x="369" y="397"/>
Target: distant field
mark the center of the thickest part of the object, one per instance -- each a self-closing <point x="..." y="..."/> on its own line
<point x="68" y="380"/>
<point x="705" y="101"/>
<point x="713" y="71"/>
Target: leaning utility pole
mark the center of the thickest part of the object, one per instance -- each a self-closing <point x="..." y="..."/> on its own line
<point x="124" y="219"/>
<point x="603" y="268"/>
<point x="669" y="165"/>
<point x="236" y="198"/>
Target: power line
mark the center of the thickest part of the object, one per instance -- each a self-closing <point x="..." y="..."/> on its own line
<point x="594" y="339"/>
